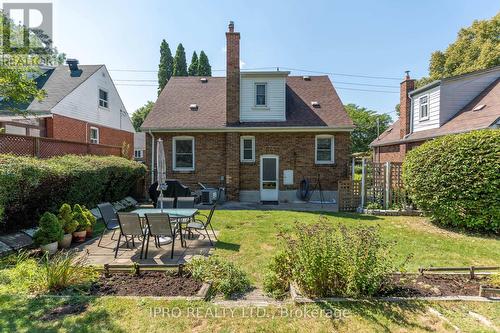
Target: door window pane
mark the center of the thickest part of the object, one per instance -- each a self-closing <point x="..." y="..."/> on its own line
<point x="269" y="169"/>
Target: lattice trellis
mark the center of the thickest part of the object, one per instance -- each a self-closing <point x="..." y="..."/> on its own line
<point x="17" y="145"/>
<point x="349" y="195"/>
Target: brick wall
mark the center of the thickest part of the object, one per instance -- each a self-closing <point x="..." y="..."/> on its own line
<point x="218" y="154"/>
<point x="394" y="153"/>
<point x="232" y="75"/>
<point x="65" y="128"/>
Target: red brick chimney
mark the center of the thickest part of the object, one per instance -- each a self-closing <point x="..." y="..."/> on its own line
<point x="232" y="75"/>
<point x="405" y="105"/>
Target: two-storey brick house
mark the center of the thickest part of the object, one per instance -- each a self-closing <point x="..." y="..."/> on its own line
<point x="258" y="133"/>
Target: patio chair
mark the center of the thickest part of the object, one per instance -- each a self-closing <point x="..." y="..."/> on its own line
<point x="159" y="225"/>
<point x="198" y="224"/>
<point x="109" y="217"/>
<point x="167" y="203"/>
<point x="185" y="202"/>
<point x="130" y="225"/>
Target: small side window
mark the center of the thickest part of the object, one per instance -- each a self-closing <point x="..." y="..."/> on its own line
<point x="424" y="107"/>
<point x="247" y="149"/>
<point x="103" y="98"/>
<point x="260" y="94"/>
<point x="94" y="135"/>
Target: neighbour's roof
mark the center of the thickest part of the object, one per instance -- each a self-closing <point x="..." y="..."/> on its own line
<point x="60" y="84"/>
<point x="172" y="109"/>
<point x="464" y="121"/>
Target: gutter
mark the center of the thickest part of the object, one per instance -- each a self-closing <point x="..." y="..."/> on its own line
<point x="254" y="129"/>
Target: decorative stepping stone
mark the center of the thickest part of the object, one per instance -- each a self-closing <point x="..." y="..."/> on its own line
<point x="30" y="232"/>
<point x="16" y="240"/>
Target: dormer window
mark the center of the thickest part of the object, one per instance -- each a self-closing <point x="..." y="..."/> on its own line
<point x="260" y="94"/>
<point x="424" y="107"/>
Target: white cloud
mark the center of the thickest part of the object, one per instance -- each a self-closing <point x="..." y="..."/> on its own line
<point x="242" y="63"/>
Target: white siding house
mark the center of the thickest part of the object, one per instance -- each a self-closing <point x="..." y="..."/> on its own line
<point x="263" y="96"/>
<point x="431" y="120"/>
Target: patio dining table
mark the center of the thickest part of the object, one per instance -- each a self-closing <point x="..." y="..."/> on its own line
<point x="181" y="215"/>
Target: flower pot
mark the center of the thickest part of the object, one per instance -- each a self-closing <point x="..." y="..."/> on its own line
<point x="51" y="248"/>
<point x="79" y="236"/>
<point x="65" y="241"/>
<point x="89" y="232"/>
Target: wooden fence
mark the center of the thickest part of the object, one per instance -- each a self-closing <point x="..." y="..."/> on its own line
<point x="46" y="147"/>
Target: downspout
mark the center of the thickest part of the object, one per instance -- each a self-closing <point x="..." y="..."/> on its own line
<point x="152" y="156"/>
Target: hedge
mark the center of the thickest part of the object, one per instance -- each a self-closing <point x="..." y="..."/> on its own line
<point x="456" y="179"/>
<point x="31" y="186"/>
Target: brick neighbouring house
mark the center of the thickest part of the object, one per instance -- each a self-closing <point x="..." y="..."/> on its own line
<point x="452" y="105"/>
<point x="258" y="133"/>
<point x="81" y="104"/>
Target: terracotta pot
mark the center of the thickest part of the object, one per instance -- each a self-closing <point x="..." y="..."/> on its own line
<point x="89" y="232"/>
<point x="79" y="236"/>
<point x="51" y="248"/>
<point x="65" y="241"/>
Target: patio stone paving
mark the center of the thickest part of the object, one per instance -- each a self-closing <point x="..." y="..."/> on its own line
<point x="105" y="253"/>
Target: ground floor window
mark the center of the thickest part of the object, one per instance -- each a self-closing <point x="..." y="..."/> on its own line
<point x="94" y="135"/>
<point x="183" y="153"/>
<point x="138" y="153"/>
<point x="325" y="149"/>
<point x="247" y="149"/>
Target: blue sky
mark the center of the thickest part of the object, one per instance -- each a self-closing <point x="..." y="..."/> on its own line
<point x="373" y="38"/>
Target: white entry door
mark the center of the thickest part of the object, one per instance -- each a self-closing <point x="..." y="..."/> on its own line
<point x="269" y="177"/>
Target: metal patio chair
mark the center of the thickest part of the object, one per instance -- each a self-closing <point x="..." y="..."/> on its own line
<point x="130" y="225"/>
<point x="109" y="218"/>
<point x="159" y="225"/>
<point x="198" y="224"/>
<point x="167" y="203"/>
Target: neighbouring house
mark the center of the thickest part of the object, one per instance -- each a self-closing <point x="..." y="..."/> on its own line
<point x="257" y="133"/>
<point x="452" y="105"/>
<point x="81" y="104"/>
<point x="139" y="146"/>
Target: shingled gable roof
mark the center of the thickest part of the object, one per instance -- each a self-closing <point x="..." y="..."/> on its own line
<point x="464" y="121"/>
<point x="172" y="109"/>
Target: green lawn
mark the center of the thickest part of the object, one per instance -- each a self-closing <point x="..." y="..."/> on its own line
<point x="249" y="239"/>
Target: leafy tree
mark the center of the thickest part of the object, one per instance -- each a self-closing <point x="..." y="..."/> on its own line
<point x="140" y="114"/>
<point x="366" y="126"/>
<point x="166" y="66"/>
<point x="476" y="47"/>
<point x="193" y="68"/>
<point x="204" y="68"/>
<point x="180" y="66"/>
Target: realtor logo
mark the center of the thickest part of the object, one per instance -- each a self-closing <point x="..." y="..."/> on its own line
<point x="27" y="26"/>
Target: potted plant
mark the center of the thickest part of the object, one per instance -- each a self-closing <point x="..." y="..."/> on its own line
<point x="91" y="220"/>
<point x="49" y="233"/>
<point x="68" y="225"/>
<point x="83" y="223"/>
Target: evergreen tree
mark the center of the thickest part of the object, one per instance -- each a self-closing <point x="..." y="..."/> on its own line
<point x="180" y="66"/>
<point x="165" y="68"/>
<point x="204" y="68"/>
<point x="193" y="68"/>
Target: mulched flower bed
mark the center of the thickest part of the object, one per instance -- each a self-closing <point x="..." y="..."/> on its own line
<point x="406" y="285"/>
<point x="146" y="284"/>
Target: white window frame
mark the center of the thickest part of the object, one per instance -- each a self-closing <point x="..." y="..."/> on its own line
<point x="104" y="101"/>
<point x="96" y="140"/>
<point x="174" y="142"/>
<point x="420" y="107"/>
<point x="332" y="155"/>
<point x="242" y="149"/>
<point x="255" y="95"/>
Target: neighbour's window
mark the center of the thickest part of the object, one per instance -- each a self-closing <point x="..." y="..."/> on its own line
<point x="260" y="94"/>
<point x="103" y="98"/>
<point x="183" y="153"/>
<point x="94" y="135"/>
<point x="324" y="149"/>
<point x="247" y="149"/>
<point x="138" y="153"/>
<point x="424" y="107"/>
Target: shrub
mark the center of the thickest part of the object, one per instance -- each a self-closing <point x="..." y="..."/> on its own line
<point x="66" y="219"/>
<point x="31" y="186"/>
<point x="456" y="179"/>
<point x="226" y="278"/>
<point x="329" y="261"/>
<point x="31" y="275"/>
<point x="50" y="230"/>
<point x="80" y="217"/>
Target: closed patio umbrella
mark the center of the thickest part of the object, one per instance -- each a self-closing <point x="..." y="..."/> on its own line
<point x="161" y="170"/>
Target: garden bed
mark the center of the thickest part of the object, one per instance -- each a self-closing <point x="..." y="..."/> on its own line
<point x="404" y="286"/>
<point x="148" y="283"/>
